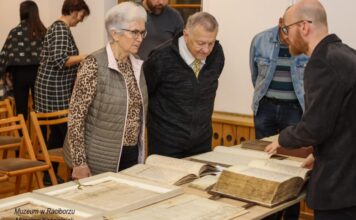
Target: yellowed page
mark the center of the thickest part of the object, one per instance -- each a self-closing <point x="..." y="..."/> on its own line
<point x="271" y="138"/>
<point x="184" y="207"/>
<point x="243" y="152"/>
<point x="155" y="173"/>
<point x="205" y="182"/>
<point x="231" y="156"/>
<point x="260" y="173"/>
<point x="175" y="164"/>
<point x="273" y="165"/>
<point x="107" y="195"/>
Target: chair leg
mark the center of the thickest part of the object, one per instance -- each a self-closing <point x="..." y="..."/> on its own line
<point x="39" y="180"/>
<point x="52" y="175"/>
<point x="29" y="184"/>
<point x="18" y="184"/>
<point x="68" y="174"/>
<point x="4" y="154"/>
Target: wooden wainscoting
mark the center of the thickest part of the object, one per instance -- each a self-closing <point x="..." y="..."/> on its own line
<point x="231" y="129"/>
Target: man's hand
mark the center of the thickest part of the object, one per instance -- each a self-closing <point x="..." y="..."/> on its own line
<point x="81" y="172"/>
<point x="272" y="147"/>
<point x="309" y="162"/>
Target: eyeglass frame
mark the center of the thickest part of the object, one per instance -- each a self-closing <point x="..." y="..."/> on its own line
<point x="136" y="33"/>
<point x="285" y="28"/>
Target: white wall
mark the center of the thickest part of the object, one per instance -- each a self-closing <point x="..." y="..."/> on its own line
<point x="240" y="20"/>
<point x="89" y="35"/>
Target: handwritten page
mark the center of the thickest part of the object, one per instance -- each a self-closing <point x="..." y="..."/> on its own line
<point x="107" y="195"/>
<point x="175" y="164"/>
<point x="273" y="165"/>
<point x="184" y="207"/>
<point x="155" y="173"/>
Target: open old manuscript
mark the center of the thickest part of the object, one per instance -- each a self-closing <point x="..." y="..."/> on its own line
<point x="184" y="207"/>
<point x="169" y="170"/>
<point x="227" y="156"/>
<point x="265" y="182"/>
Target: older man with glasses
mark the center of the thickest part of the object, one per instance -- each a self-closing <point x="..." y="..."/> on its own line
<point x="182" y="79"/>
<point x="328" y="123"/>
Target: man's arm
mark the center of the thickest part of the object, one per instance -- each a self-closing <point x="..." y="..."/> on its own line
<point x="253" y="66"/>
<point x="324" y="95"/>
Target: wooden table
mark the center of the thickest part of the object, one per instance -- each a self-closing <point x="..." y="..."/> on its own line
<point x="255" y="211"/>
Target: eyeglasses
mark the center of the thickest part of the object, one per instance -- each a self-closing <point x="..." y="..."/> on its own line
<point x="136" y="33"/>
<point x="285" y="28"/>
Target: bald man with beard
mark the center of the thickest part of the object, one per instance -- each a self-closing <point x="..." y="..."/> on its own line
<point x="328" y="123"/>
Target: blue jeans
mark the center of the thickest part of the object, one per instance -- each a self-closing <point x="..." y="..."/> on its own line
<point x="272" y="117"/>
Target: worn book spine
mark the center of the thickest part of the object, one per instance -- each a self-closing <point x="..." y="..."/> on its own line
<point x="246" y="188"/>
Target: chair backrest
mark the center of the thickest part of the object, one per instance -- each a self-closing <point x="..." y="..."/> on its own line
<point x="17" y="123"/>
<point x="45" y="119"/>
<point x="6" y="109"/>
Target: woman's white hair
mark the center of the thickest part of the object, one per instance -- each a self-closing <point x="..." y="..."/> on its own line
<point x="120" y="15"/>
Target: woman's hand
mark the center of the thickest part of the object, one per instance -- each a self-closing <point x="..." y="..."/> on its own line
<point x="81" y="172"/>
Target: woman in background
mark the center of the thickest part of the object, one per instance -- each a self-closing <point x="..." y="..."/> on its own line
<point x="21" y="54"/>
<point x="60" y="59"/>
<point x="106" y="127"/>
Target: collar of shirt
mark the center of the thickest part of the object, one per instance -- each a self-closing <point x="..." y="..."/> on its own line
<point x="112" y="63"/>
<point x="185" y="53"/>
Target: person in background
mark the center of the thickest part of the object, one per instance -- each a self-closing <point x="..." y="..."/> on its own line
<point x="60" y="59"/>
<point x="163" y="23"/>
<point x="182" y="79"/>
<point x="328" y="123"/>
<point x="278" y="100"/>
<point x="20" y="54"/>
<point x="106" y="128"/>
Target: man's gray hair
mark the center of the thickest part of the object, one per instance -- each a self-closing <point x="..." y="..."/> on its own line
<point x="118" y="17"/>
<point x="204" y="19"/>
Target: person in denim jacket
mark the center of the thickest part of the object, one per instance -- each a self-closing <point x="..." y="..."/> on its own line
<point x="277" y="80"/>
<point x="278" y="99"/>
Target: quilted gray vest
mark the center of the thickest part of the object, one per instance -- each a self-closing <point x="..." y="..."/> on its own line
<point x="105" y="121"/>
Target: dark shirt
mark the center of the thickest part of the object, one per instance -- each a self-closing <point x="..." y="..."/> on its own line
<point x="19" y="49"/>
<point x="329" y="124"/>
<point x="160" y="28"/>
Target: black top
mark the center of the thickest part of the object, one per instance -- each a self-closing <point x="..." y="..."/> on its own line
<point x="160" y="28"/>
<point x="19" y="50"/>
<point x="329" y="124"/>
<point x="180" y="105"/>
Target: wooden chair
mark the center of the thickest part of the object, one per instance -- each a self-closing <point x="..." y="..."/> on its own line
<point x="6" y="109"/>
<point x="38" y="139"/>
<point x="26" y="163"/>
<point x="12" y="139"/>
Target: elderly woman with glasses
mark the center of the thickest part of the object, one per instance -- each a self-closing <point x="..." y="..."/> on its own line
<point x="106" y="127"/>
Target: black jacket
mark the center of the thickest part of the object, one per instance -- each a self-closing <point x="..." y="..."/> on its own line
<point x="180" y="105"/>
<point x="329" y="124"/>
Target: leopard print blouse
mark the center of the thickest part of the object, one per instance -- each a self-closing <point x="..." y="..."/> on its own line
<point x="83" y="95"/>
